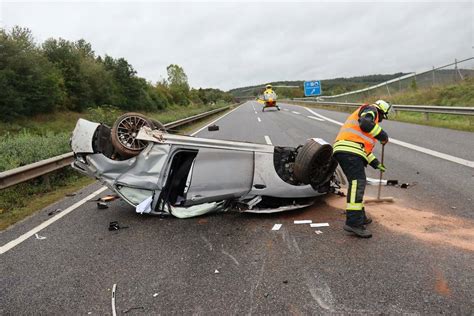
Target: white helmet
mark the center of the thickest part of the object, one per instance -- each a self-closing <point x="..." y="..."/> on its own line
<point x="385" y="107"/>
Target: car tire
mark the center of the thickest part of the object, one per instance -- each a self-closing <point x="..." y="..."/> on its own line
<point x="313" y="163"/>
<point x="124" y="132"/>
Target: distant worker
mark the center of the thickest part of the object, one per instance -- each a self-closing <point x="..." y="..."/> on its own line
<point x="353" y="150"/>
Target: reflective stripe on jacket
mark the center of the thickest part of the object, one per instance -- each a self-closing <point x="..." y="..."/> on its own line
<point x="353" y="140"/>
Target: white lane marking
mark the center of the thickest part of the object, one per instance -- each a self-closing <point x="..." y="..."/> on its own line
<point x="424" y="150"/>
<point x="256" y="112"/>
<point x="323" y="117"/>
<point x="316" y="118"/>
<point x="295" y="112"/>
<point x="114" y="312"/>
<point x="45" y="224"/>
<point x="268" y="140"/>
<point x="205" y="126"/>
<point x="259" y="119"/>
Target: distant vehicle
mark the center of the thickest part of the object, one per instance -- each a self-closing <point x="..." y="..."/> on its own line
<point x="163" y="173"/>
<point x="269" y="101"/>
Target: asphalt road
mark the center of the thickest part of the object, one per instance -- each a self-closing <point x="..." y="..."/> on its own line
<point x="168" y="266"/>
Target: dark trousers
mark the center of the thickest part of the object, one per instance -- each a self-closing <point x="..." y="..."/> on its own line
<point x="354" y="169"/>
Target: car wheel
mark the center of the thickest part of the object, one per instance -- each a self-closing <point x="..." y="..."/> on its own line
<point x="313" y="163"/>
<point x="125" y="131"/>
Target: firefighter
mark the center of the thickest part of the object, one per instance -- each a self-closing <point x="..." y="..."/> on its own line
<point x="353" y="150"/>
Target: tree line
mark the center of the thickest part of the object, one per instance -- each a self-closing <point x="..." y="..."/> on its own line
<point x="67" y="75"/>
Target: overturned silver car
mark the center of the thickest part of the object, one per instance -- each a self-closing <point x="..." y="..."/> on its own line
<point x="162" y="173"/>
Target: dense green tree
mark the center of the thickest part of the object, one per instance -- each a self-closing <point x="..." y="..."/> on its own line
<point x="178" y="84"/>
<point x="29" y="83"/>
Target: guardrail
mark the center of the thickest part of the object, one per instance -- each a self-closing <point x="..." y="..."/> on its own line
<point x="454" y="110"/>
<point x="21" y="174"/>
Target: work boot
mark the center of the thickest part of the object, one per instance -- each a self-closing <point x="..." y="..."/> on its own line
<point x="367" y="220"/>
<point x="360" y="231"/>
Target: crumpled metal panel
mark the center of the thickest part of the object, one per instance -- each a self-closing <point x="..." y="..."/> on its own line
<point x="143" y="171"/>
<point x="81" y="140"/>
<point x="220" y="174"/>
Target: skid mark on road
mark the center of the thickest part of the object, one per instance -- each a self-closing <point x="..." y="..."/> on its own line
<point x="230" y="256"/>
<point x="424" y="150"/>
<point x="423" y="225"/>
<point x="320" y="292"/>
<point x="257" y="283"/>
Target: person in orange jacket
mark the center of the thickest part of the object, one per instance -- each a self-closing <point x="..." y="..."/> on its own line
<point x="353" y="151"/>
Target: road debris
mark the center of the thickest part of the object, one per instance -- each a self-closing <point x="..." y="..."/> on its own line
<point x="213" y="127"/>
<point x="102" y="205"/>
<point x="39" y="237"/>
<point x="115" y="226"/>
<point x="318" y="232"/>
<point x="54" y="212"/>
<point x="155" y="295"/>
<point x="285" y="281"/>
<point x="404" y="185"/>
<point x="71" y="194"/>
<point x="319" y="224"/>
<point x="114" y="312"/>
<point x="216" y="271"/>
<point x="109" y="198"/>
<point x="392" y="182"/>
<point x="303" y="221"/>
<point x="144" y="206"/>
<point x="277" y="226"/>
<point x="125" y="311"/>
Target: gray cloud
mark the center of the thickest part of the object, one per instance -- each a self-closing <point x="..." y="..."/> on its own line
<point x="228" y="45"/>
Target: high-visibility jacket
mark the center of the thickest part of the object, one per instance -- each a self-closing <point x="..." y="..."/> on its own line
<point x="267" y="91"/>
<point x="352" y="139"/>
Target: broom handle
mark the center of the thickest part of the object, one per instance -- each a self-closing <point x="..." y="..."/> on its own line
<point x="380" y="179"/>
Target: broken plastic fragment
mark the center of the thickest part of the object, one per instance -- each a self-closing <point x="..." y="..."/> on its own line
<point x="318" y="232"/>
<point x="39" y="237"/>
<point x="277" y="226"/>
<point x="102" y="205"/>
<point x="216" y="271"/>
<point x="155" y="295"/>
<point x="144" y="206"/>
<point x="319" y="225"/>
<point x="304" y="221"/>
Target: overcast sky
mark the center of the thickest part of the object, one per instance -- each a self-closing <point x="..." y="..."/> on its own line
<point x="229" y="45"/>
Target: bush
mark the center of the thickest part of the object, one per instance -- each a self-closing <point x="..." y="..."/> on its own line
<point x="105" y="114"/>
<point x="25" y="148"/>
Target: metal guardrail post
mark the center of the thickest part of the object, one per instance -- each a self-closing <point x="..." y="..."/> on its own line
<point x="42" y="168"/>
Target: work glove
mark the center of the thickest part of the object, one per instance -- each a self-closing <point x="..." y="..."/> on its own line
<point x="381" y="167"/>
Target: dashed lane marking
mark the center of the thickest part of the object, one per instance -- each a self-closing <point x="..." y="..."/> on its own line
<point x="259" y="119"/>
<point x="268" y="140"/>
<point x="295" y="112"/>
<point x="424" y="150"/>
<point x="316" y="118"/>
<point x="45" y="224"/>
